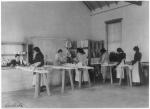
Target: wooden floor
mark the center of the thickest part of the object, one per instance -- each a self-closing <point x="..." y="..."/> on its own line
<point x="100" y="95"/>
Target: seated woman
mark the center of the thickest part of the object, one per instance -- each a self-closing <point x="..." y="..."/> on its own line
<point x="104" y="60"/>
<point x="38" y="61"/>
<point x="136" y="66"/>
<point x="121" y="61"/>
<point x="59" y="58"/>
<point x="81" y="59"/>
<point x="16" y="61"/>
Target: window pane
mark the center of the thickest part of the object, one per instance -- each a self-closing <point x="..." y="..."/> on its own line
<point x="114" y="32"/>
<point x="113" y="46"/>
<point x="11" y="49"/>
<point x="114" y="36"/>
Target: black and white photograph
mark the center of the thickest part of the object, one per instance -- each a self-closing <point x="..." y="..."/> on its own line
<point x="74" y="54"/>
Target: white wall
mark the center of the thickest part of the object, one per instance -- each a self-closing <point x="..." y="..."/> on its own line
<point x="48" y="19"/>
<point x="135" y="28"/>
<point x="72" y="20"/>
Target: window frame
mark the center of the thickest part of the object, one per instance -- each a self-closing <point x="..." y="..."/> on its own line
<point x="118" y="20"/>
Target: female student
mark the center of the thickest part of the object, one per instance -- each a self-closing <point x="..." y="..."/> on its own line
<point x="121" y="61"/>
<point x="136" y="66"/>
<point x="81" y="59"/>
<point x="59" y="58"/>
<point x="38" y="61"/>
<point x="104" y="60"/>
<point x="56" y="73"/>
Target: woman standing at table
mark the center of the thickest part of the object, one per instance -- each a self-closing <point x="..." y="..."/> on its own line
<point x="136" y="66"/>
<point x="81" y="59"/>
<point x="59" y="58"/>
<point x="104" y="60"/>
<point x="121" y="61"/>
<point x="38" y="61"/>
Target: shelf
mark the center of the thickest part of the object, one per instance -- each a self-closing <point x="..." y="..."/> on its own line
<point x="13" y="43"/>
<point x="12" y="48"/>
<point x="10" y="54"/>
<point x="85" y="47"/>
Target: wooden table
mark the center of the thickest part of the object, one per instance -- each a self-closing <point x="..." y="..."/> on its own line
<point x="63" y="68"/>
<point x="109" y="65"/>
<point x="40" y="72"/>
<point x="70" y="67"/>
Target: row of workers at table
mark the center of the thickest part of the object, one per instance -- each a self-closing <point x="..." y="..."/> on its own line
<point x="60" y="59"/>
<point x="121" y="57"/>
<point x="134" y="65"/>
<point x="81" y="58"/>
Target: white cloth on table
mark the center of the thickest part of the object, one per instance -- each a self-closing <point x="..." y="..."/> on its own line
<point x="135" y="73"/>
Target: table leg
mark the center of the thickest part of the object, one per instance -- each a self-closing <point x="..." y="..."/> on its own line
<point x="46" y="83"/>
<point x="89" y="79"/>
<point x="120" y="79"/>
<point x="94" y="75"/>
<point x="130" y="77"/>
<point x="111" y="75"/>
<point x="79" y="79"/>
<point x="121" y="76"/>
<point x="70" y="75"/>
<point x="37" y="86"/>
<point x="63" y="81"/>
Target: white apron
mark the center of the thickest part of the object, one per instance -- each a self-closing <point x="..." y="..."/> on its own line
<point x="135" y="73"/>
<point x="119" y="70"/>
<point x="84" y="76"/>
<point x="104" y="69"/>
<point x="83" y="60"/>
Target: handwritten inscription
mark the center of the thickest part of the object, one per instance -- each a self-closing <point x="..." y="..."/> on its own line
<point x="14" y="105"/>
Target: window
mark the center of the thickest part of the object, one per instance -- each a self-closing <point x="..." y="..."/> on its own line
<point x="114" y="34"/>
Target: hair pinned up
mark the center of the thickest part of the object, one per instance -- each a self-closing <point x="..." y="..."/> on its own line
<point x="16" y="55"/>
<point x="103" y="50"/>
<point x="136" y="48"/>
<point x="80" y="50"/>
<point x="119" y="50"/>
<point x="60" y="50"/>
<point x="37" y="49"/>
